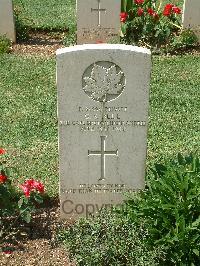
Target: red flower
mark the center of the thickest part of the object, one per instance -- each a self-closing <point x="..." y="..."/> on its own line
<point x="123" y="16"/>
<point x="150" y="11"/>
<point x="2" y="151"/>
<point x="138" y="2"/>
<point x="169" y="6"/>
<point x="140" y="11"/>
<point x="3" y="178"/>
<point x="176" y="10"/>
<point x="26" y="190"/>
<point x="31" y="185"/>
<point x="38" y="186"/>
<point x="168" y="9"/>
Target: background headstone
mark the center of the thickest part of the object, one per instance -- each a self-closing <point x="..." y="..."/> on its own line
<point x="98" y="21"/>
<point x="103" y="98"/>
<point x="7" y="26"/>
<point x="191" y="16"/>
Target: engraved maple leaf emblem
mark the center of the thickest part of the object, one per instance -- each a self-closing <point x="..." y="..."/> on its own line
<point x="104" y="83"/>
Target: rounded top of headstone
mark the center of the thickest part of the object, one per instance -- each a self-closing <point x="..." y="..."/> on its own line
<point x="103" y="46"/>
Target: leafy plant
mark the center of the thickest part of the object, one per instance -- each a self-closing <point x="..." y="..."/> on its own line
<point x="157" y="226"/>
<point x="5" y="44"/>
<point x="186" y="39"/>
<point x="170" y="210"/>
<point x="143" y="22"/>
<point x="107" y="240"/>
<point x="14" y="203"/>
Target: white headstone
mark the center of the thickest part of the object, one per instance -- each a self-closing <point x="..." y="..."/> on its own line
<point x="98" y="21"/>
<point x="7" y="26"/>
<point x="103" y="99"/>
<point x="191" y="16"/>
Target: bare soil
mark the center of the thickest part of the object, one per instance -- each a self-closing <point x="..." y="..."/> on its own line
<point x="35" y="244"/>
<point x="39" y="43"/>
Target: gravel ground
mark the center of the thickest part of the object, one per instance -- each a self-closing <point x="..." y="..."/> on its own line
<point x="35" y="243"/>
<point x="39" y="43"/>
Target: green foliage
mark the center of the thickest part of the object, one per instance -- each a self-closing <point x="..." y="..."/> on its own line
<point x="155" y="24"/>
<point x="170" y="210"/>
<point x="12" y="202"/>
<point x="157" y="226"/>
<point x="186" y="39"/>
<point x="107" y="240"/>
<point x="5" y="44"/>
<point x="151" y="27"/>
<point x="8" y="192"/>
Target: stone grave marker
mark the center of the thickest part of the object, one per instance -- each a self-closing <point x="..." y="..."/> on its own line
<point x="98" y="21"/>
<point x="7" y="26"/>
<point x="103" y="99"/>
<point x="191" y="16"/>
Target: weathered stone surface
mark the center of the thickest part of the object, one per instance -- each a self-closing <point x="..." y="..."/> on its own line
<point x="98" y="21"/>
<point x="103" y="98"/>
<point x="191" y="16"/>
<point x="7" y="26"/>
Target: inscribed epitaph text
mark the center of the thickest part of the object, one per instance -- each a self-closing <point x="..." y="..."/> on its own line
<point x="98" y="21"/>
<point x="103" y="95"/>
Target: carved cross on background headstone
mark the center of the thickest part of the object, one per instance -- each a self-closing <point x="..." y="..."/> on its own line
<point x="99" y="10"/>
<point x="103" y="154"/>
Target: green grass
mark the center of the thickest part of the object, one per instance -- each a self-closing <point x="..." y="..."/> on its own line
<point x="46" y="14"/>
<point x="28" y="117"/>
<point x="175" y="106"/>
<point x="28" y="112"/>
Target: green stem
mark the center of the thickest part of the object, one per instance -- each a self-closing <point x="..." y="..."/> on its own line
<point x="179" y="27"/>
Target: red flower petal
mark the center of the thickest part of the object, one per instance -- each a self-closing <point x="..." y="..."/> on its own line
<point x="138" y="2"/>
<point x="2" y="151"/>
<point x="123" y="16"/>
<point x="140" y="11"/>
<point x="29" y="183"/>
<point x="168" y="9"/>
<point x="176" y="10"/>
<point x="150" y="11"/>
<point x="26" y="190"/>
<point x="3" y="178"/>
<point x="39" y="186"/>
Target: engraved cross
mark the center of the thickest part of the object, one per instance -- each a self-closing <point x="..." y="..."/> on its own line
<point x="99" y="10"/>
<point x="103" y="154"/>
